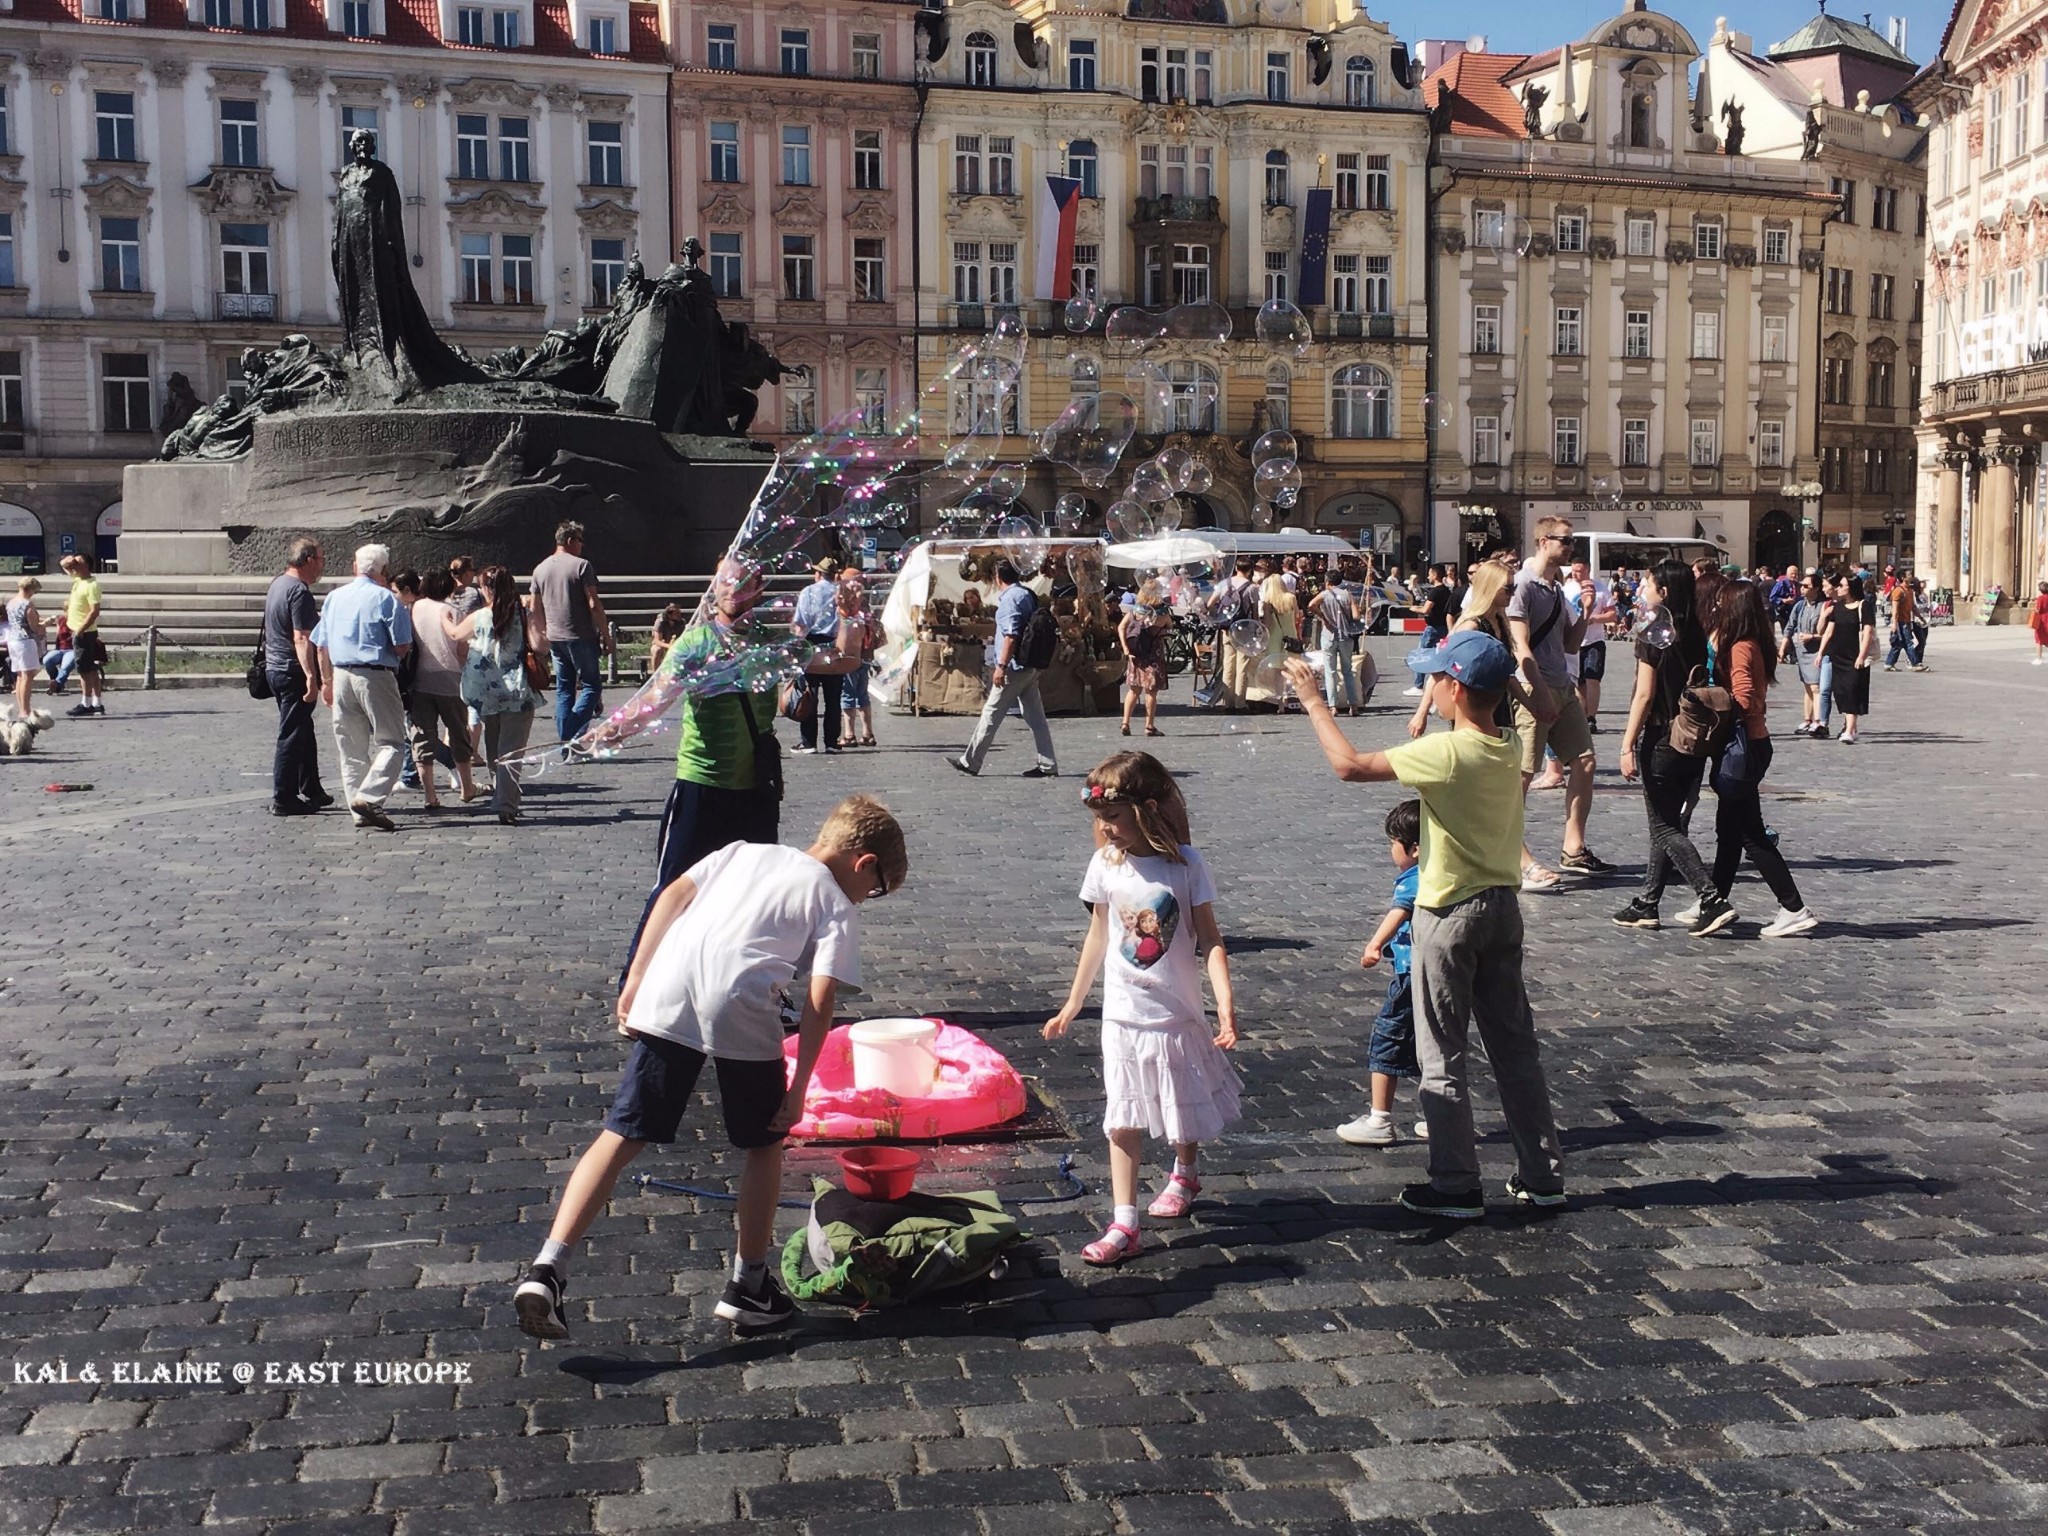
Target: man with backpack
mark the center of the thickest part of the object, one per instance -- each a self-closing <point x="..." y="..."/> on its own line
<point x="1026" y="637"/>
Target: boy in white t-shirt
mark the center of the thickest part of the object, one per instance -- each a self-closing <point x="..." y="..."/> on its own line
<point x="719" y="951"/>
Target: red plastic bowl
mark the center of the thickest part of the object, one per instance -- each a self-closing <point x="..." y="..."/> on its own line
<point x="879" y="1173"/>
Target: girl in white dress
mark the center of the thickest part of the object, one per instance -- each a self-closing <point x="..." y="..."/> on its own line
<point x="1154" y="913"/>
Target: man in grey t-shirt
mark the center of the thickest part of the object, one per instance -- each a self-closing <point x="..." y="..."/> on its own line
<point x="570" y="615"/>
<point x="293" y="672"/>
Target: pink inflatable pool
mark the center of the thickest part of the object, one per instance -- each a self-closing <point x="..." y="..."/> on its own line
<point x="977" y="1088"/>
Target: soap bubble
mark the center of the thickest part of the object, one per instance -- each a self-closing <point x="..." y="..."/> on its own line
<point x="1166" y="515"/>
<point x="1262" y="516"/>
<point x="1154" y="394"/>
<point x="1656" y="630"/>
<point x="1207" y="322"/>
<point x="971" y="455"/>
<point x="1090" y="435"/>
<point x="1082" y="311"/>
<point x="1129" y="521"/>
<point x="1247" y="636"/>
<point x="1006" y="482"/>
<point x="1437" y="411"/>
<point x="1607" y="491"/>
<point x="1086" y="565"/>
<point x="1069" y="512"/>
<point x="1019" y="538"/>
<point x="1277" y="444"/>
<point x="1087" y="368"/>
<point x="1200" y="477"/>
<point x="1277" y="478"/>
<point x="1009" y="327"/>
<point x="1133" y="326"/>
<point x="1177" y="464"/>
<point x="1149" y="484"/>
<point x="1521" y="236"/>
<point x="1283" y="328"/>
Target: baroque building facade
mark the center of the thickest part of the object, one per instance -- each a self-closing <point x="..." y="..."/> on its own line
<point x="1219" y="152"/>
<point x="167" y="177"/>
<point x="1626" y="301"/>
<point x="1983" y="502"/>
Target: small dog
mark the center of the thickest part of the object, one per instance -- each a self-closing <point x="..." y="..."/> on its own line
<point x="18" y="735"/>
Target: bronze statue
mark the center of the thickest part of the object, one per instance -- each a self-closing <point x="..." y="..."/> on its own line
<point x="1731" y="114"/>
<point x="181" y="404"/>
<point x="297" y="373"/>
<point x="1533" y="99"/>
<point x="1809" y="145"/>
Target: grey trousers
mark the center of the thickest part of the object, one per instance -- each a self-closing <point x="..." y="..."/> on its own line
<point x="1019" y="687"/>
<point x="505" y="737"/>
<point x="369" y="731"/>
<point x="1468" y="970"/>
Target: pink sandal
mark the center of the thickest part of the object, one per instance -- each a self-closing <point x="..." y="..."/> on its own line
<point x="1175" y="1199"/>
<point x="1113" y="1247"/>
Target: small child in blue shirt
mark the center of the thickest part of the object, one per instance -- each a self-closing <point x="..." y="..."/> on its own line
<point x="1391" y="1055"/>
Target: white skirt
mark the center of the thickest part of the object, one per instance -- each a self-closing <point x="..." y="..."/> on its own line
<point x="23" y="654"/>
<point x="1170" y="1081"/>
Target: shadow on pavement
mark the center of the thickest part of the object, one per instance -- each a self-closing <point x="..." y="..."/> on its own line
<point x="1633" y="1126"/>
<point x="1918" y="927"/>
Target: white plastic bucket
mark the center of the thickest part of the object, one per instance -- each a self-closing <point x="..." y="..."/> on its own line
<point x="895" y="1055"/>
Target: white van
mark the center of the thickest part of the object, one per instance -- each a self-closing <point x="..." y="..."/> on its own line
<point x="1605" y="553"/>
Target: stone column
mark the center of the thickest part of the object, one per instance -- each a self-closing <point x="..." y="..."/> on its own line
<point x="1948" y="517"/>
<point x="1995" y="565"/>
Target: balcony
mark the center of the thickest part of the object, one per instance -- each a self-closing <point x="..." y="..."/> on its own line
<point x="245" y="306"/>
<point x="1177" y="210"/>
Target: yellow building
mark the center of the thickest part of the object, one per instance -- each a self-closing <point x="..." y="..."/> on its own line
<point x="1198" y="132"/>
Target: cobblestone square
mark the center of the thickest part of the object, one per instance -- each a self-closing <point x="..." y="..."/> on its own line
<point x="280" y="1093"/>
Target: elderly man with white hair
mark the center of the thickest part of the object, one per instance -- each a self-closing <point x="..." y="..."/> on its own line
<point x="363" y="631"/>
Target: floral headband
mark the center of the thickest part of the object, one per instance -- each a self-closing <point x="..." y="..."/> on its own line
<point x="1099" y="794"/>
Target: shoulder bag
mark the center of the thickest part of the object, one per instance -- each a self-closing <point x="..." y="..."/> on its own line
<point x="767" y="754"/>
<point x="1706" y="714"/>
<point x="258" y="676"/>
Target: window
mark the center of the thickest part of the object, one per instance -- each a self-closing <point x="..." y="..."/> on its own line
<point x="1635" y="333"/>
<point x="1278" y="73"/>
<point x="516" y="264"/>
<point x="114" y="118"/>
<point x="2022" y="113"/>
<point x="1277" y="194"/>
<point x="1361" y="402"/>
<point x="1834" y="468"/>
<point x="238" y="133"/>
<point x="1994" y="132"/>
<point x="607" y="270"/>
<point x="867" y="158"/>
<point x="1279" y="396"/>
<point x="1987" y="298"/>
<point x="121" y="255"/>
<point x="1877" y="469"/>
<point x="725" y="152"/>
<point x="13" y="406"/>
<point x="799" y="405"/>
<point x="476" y="269"/>
<point x="1148" y="73"/>
<point x="515" y="150"/>
<point x="1002" y="166"/>
<point x="799" y="267"/>
<point x="472" y="25"/>
<point x="472" y="147"/>
<point x="6" y="138"/>
<point x="505" y="29"/>
<point x="1642" y="234"/>
<point x="868" y="268"/>
<point x="602" y="34"/>
<point x="1002" y="274"/>
<point x="247" y="15"/>
<point x="1882" y="288"/>
<point x="1344" y="284"/>
<point x="1276" y="275"/>
<point x="1486" y="328"/>
<point x="967" y="164"/>
<point x="1635" y="441"/>
<point x="1081" y="166"/>
<point x="1841" y="291"/>
<point x="1349" y="190"/>
<point x="1706" y="333"/>
<point x="1777" y="338"/>
<point x="966" y="271"/>
<point x="1877" y="382"/>
<point x="1777" y="247"/>
<point x="1176" y="74"/>
<point x="1379" y="285"/>
<point x="1086" y="273"/>
<point x="1834" y="381"/>
<point x="1081" y="64"/>
<point x="1770" y="444"/>
<point x="1195" y="390"/>
<point x="1571" y="232"/>
<point x="113" y="10"/>
<point x="1487" y="225"/>
<point x="1361" y="82"/>
<point x="2015" y="292"/>
<point x="867" y="55"/>
<point x="1706" y="442"/>
<point x="1569" y="332"/>
<point x="1191" y="274"/>
<point x="1379" y="182"/>
<point x="606" y="143"/>
<point x="1564" y="440"/>
<point x="1884" y="209"/>
<point x="796" y="157"/>
<point x="124" y="391"/>
<point x="356" y="120"/>
<point x="1845" y="189"/>
<point x="722" y="45"/>
<point x="796" y="51"/>
<point x="871" y="397"/>
<point x="245" y="258"/>
<point x="981" y="59"/>
<point x="725" y="265"/>
<point x="1706" y="241"/>
<point x="7" y="250"/>
<point x="358" y="19"/>
<point x="1485" y="439"/>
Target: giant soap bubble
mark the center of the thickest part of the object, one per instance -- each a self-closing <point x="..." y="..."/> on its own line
<point x="1283" y="329"/>
<point x="1090" y="435"/>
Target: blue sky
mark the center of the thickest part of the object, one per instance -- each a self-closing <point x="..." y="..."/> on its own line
<point x="1518" y="26"/>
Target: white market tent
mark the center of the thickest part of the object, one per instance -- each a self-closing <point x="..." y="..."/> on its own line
<point x="1207" y="544"/>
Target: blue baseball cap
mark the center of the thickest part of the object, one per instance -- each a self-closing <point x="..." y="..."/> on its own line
<point x="1470" y="657"/>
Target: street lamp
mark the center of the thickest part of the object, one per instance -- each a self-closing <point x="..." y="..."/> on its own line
<point x="1809" y="521"/>
<point x="1897" y="518"/>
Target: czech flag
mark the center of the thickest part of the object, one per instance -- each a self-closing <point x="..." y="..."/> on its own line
<point x="1059" y="205"/>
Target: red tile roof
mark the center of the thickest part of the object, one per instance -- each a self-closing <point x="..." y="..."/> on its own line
<point x="1482" y="106"/>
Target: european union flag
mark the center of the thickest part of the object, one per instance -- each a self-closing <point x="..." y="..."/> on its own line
<point x="1315" y="246"/>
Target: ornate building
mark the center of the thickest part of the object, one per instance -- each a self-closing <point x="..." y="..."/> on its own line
<point x="1218" y="152"/>
<point x="794" y="127"/>
<point x="167" y="175"/>
<point x="1626" y="300"/>
<point x="1984" y="484"/>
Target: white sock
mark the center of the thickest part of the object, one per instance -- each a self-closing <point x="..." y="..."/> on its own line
<point x="555" y="1255"/>
<point x="1377" y="1116"/>
<point x="750" y="1272"/>
<point x="1126" y="1216"/>
<point x="1186" y="1171"/>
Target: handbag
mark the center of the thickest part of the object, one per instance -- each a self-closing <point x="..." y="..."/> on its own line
<point x="1706" y="715"/>
<point x="797" y="701"/>
<point x="258" y="675"/>
<point x="1731" y="770"/>
<point x="536" y="674"/>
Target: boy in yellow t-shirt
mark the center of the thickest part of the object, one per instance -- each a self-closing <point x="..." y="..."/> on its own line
<point x="1467" y="959"/>
<point x="82" y="614"/>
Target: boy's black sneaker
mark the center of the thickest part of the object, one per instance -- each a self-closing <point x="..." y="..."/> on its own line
<point x="1459" y="1205"/>
<point x="1638" y="914"/>
<point x="1549" y="1199"/>
<point x="538" y="1303"/>
<point x="1584" y="862"/>
<point x="757" y="1311"/>
<point x="1715" y="915"/>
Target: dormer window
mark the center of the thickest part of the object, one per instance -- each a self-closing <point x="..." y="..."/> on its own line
<point x="981" y="59"/>
<point x="722" y="45"/>
<point x="234" y="15"/>
<point x="601" y="34"/>
<point x="1361" y="83"/>
<point x="796" y="51"/>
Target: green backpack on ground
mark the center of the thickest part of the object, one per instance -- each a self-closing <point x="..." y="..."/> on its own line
<point x="876" y="1253"/>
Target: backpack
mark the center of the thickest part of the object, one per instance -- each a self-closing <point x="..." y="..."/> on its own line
<point x="1038" y="639"/>
<point x="881" y="1253"/>
<point x="1706" y="716"/>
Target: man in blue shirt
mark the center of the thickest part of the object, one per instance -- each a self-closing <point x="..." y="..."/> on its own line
<point x="817" y="620"/>
<point x="363" y="631"/>
<point x="1014" y="682"/>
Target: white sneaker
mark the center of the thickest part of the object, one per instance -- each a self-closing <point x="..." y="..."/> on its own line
<point x="1369" y="1130"/>
<point x="1422" y="1130"/>
<point x="1411" y="693"/>
<point x="1688" y="917"/>
<point x="1787" y="923"/>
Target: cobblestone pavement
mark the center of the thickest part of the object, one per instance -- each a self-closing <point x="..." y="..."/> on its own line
<point x="282" y="1093"/>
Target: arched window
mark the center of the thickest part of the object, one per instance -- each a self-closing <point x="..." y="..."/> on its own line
<point x="106" y="535"/>
<point x="1276" y="179"/>
<point x="21" y="538"/>
<point x="1361" y="82"/>
<point x="1195" y="391"/>
<point x="1081" y="161"/>
<point x="1279" y="395"/>
<point x="1361" y="402"/>
<point x="981" y="59"/>
<point x="1642" y="114"/>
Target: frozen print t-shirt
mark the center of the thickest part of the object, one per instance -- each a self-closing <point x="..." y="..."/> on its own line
<point x="1151" y="975"/>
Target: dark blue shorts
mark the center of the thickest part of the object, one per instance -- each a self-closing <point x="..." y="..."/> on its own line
<point x="1392" y="1053"/>
<point x="661" y="1075"/>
